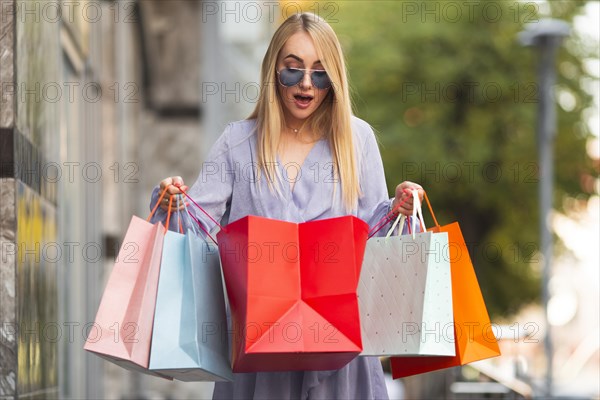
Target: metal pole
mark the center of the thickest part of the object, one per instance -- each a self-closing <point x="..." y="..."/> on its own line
<point x="545" y="139"/>
<point x="546" y="35"/>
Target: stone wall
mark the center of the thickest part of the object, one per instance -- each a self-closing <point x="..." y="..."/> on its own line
<point x="29" y="124"/>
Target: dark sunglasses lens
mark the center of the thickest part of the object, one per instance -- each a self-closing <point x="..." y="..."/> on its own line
<point x="290" y="77"/>
<point x="320" y="79"/>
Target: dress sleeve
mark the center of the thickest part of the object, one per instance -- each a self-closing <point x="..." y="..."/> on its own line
<point x="211" y="191"/>
<point x="375" y="202"/>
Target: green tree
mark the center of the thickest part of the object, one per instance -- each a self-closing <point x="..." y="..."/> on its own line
<point x="453" y="96"/>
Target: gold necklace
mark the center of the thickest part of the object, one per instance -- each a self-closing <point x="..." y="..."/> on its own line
<point x="296" y="130"/>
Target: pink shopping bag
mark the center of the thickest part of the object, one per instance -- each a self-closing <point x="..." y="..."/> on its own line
<point x="122" y="330"/>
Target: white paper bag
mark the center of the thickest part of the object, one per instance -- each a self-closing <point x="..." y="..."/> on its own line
<point x="405" y="295"/>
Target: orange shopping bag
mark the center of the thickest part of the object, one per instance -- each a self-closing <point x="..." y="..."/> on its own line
<point x="474" y="338"/>
<point x="122" y="330"/>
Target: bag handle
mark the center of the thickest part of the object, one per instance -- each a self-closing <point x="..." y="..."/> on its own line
<point x="431" y="210"/>
<point x="193" y="226"/>
<point x="162" y="195"/>
<point x="416" y="215"/>
<point x="202" y="227"/>
<point x="401" y="218"/>
<point x="207" y="214"/>
<point x="167" y="224"/>
<point x="383" y="221"/>
<point x="179" y="212"/>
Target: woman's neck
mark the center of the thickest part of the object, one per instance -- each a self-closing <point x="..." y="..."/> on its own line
<point x="299" y="130"/>
<point x="294" y="124"/>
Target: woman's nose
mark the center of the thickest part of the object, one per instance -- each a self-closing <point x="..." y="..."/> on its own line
<point x="306" y="82"/>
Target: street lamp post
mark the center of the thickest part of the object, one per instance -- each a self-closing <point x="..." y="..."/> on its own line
<point x="546" y="35"/>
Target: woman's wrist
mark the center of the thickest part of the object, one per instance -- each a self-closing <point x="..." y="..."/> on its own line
<point x="391" y="208"/>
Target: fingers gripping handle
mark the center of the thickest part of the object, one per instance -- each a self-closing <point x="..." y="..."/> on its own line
<point x="162" y="196"/>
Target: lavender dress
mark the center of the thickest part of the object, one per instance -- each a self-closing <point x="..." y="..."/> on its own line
<point x="227" y="190"/>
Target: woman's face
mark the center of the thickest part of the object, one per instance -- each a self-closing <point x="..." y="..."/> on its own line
<point x="301" y="100"/>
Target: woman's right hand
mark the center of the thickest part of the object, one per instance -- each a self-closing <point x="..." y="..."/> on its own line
<point x="174" y="183"/>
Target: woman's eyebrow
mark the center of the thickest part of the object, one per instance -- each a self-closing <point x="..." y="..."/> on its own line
<point x="295" y="57"/>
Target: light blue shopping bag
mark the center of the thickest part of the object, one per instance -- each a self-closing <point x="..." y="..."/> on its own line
<point x="189" y="338"/>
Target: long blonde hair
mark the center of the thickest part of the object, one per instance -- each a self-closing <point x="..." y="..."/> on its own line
<point x="333" y="117"/>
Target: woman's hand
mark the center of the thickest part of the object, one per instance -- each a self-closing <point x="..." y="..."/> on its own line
<point x="173" y="183"/>
<point x="404" y="197"/>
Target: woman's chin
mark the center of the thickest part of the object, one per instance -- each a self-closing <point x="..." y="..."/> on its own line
<point x="300" y="114"/>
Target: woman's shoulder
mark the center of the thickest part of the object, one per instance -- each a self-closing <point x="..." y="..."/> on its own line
<point x="361" y="125"/>
<point x="243" y="127"/>
<point x="239" y="132"/>
<point x="233" y="138"/>
<point x="362" y="131"/>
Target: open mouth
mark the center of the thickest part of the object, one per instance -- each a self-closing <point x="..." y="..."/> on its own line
<point x="303" y="99"/>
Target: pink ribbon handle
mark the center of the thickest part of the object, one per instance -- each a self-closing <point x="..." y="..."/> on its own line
<point x="205" y="213"/>
<point x="387" y="218"/>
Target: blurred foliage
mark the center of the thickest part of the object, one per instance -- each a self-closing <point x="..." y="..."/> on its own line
<point x="453" y="96"/>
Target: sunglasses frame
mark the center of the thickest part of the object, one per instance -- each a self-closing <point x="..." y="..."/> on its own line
<point x="304" y="72"/>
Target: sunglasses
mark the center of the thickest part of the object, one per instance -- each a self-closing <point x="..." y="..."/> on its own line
<point x="289" y="77"/>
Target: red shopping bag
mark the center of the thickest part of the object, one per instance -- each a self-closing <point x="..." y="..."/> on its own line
<point x="122" y="330"/>
<point x="292" y="291"/>
<point x="474" y="338"/>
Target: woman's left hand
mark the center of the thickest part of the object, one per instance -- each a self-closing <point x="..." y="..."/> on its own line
<point x="404" y="197"/>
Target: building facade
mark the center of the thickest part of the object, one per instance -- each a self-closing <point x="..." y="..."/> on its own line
<point x="99" y="101"/>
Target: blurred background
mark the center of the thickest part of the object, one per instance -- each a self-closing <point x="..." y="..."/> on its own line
<point x="102" y="99"/>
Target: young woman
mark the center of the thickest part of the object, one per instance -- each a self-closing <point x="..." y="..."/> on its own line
<point x="300" y="156"/>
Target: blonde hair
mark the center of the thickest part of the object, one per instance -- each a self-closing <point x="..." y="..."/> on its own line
<point x="333" y="117"/>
